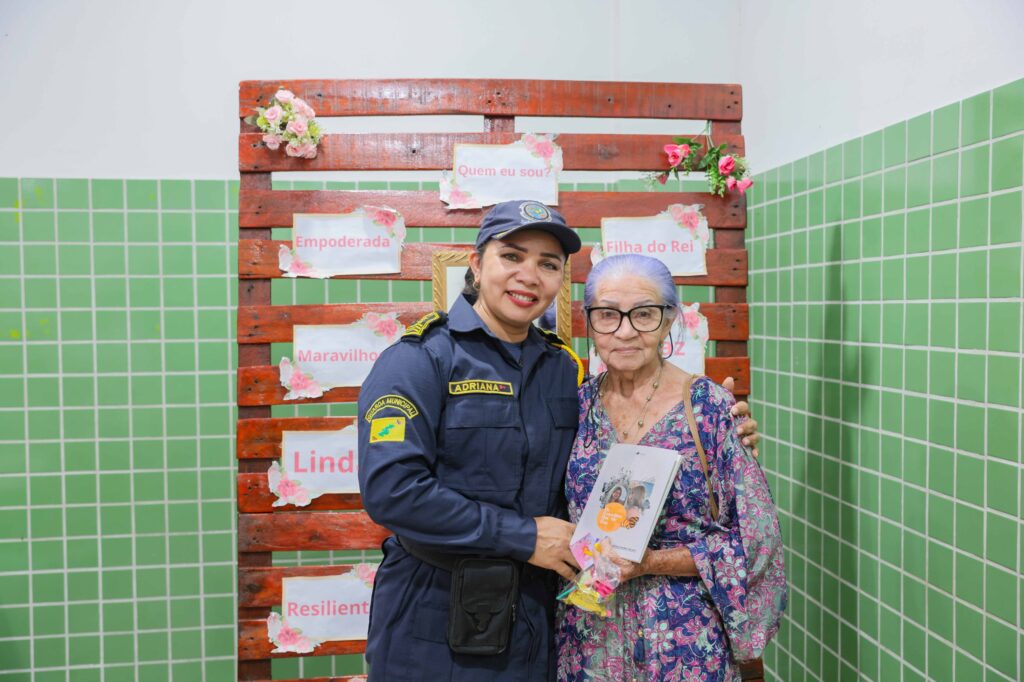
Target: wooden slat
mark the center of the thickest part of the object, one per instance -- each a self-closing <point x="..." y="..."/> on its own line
<point x="434" y="151"/>
<point x="422" y="208"/>
<point x="253" y="644"/>
<point x="340" y="678"/>
<point x="726" y="321"/>
<point x="275" y="324"/>
<point x="262" y="586"/>
<point x="504" y="97"/>
<point x="257" y="259"/>
<point x="254" y="497"/>
<point x="261" y="438"/>
<point x="261" y="385"/>
<point x="294" y="531"/>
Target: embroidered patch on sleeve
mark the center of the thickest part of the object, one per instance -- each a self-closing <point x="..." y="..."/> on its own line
<point x="387" y="429"/>
<point x="479" y="386"/>
<point x="393" y="401"/>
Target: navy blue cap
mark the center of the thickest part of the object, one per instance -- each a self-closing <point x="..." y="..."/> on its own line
<point x="509" y="216"/>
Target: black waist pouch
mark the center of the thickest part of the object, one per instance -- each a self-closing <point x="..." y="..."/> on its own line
<point x="482" y="608"/>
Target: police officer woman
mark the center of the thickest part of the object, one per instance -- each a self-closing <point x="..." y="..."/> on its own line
<point x="465" y="427"/>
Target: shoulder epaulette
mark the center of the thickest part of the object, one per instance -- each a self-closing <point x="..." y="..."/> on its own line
<point x="557" y="342"/>
<point x="417" y="329"/>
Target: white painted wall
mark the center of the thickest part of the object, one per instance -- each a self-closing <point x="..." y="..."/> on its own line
<point x="122" y="88"/>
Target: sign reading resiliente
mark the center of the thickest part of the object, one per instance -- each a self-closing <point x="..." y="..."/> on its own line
<point x="487" y="174"/>
<point x="678" y="237"/>
<point x="367" y="241"/>
<point x="327" y="355"/>
<point x="328" y="608"/>
<point x="314" y="463"/>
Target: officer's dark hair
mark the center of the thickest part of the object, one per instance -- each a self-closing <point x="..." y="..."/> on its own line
<point x="470" y="289"/>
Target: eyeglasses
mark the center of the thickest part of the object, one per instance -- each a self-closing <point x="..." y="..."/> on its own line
<point x="644" y="318"/>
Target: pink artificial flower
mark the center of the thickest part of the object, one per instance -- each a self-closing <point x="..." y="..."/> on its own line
<point x="675" y="154"/>
<point x="366" y="573"/>
<point x="284" y="96"/>
<point x="273" y="114"/>
<point x="726" y="165"/>
<point x="297" y="126"/>
<point x="691" y="318"/>
<point x="663" y="178"/>
<point x="292" y="149"/>
<point x="544" y="149"/>
<point x="744" y="184"/>
<point x="299" y="381"/>
<point x="301" y="151"/>
<point x="272" y="141"/>
<point x="730" y="182"/>
<point x="385" y="218"/>
<point x="288" y="488"/>
<point x="302" y="108"/>
<point x="309" y="151"/>
<point x="288" y="638"/>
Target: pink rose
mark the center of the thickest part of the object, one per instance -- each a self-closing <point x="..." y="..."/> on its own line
<point x="726" y="165"/>
<point x="272" y="141"/>
<point x="288" y="488"/>
<point x="284" y="96"/>
<point x="691" y="219"/>
<point x="366" y="573"/>
<point x="663" y="178"/>
<point x="684" y="149"/>
<point x="301" y="151"/>
<point x="385" y="218"/>
<point x="544" y="149"/>
<point x="297" y="126"/>
<point x="744" y="184"/>
<point x="288" y="638"/>
<point x="675" y="156"/>
<point x="273" y="114"/>
<point x="302" y="108"/>
<point x="309" y="151"/>
<point x="299" y="381"/>
<point x="386" y="327"/>
<point x="730" y="182"/>
<point x="691" y="318"/>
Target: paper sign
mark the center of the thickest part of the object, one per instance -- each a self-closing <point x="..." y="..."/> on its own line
<point x="314" y="463"/>
<point x="327" y="356"/>
<point x="322" y="609"/>
<point x="487" y="174"/>
<point x="367" y="241"/>
<point x="678" y="237"/>
<point x="689" y="339"/>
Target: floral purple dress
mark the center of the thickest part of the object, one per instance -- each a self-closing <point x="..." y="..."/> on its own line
<point x="679" y="628"/>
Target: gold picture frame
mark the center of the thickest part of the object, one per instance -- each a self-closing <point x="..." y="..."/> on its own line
<point x="448" y="270"/>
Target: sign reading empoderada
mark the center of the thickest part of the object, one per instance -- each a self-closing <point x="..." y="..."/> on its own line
<point x="678" y="237"/>
<point x="330" y="355"/>
<point x="322" y="609"/>
<point x="366" y="241"/>
<point x="687" y="342"/>
<point x="488" y="174"/>
<point x="314" y="463"/>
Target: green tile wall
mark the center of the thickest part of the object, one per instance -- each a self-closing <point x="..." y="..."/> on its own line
<point x="117" y="510"/>
<point x="886" y="320"/>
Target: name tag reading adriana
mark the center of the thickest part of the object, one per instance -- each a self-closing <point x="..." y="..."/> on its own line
<point x="487" y="174"/>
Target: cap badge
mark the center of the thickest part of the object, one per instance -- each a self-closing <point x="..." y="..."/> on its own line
<point x="531" y="210"/>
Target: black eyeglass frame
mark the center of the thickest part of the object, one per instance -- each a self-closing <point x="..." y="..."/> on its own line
<point x="629" y="314"/>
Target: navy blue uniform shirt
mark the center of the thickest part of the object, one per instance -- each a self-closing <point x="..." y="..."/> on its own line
<point x="460" y="446"/>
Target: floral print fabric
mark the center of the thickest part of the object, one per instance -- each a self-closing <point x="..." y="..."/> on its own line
<point x="665" y="628"/>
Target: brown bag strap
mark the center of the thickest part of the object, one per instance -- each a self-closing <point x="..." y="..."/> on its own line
<point x="688" y="402"/>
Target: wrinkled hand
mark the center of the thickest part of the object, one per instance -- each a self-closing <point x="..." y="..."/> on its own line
<point x="551" y="550"/>
<point x="746" y="426"/>
<point x="629" y="569"/>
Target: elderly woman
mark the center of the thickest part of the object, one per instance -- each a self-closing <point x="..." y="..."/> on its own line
<point x="711" y="587"/>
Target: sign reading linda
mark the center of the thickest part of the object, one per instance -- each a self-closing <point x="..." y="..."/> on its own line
<point x="327" y="356"/>
<point x="678" y="237"/>
<point x="487" y="174"/>
<point x="314" y="463"/>
<point x="367" y="241"/>
<point x="322" y="609"/>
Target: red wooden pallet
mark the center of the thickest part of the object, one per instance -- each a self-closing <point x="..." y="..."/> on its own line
<point x="336" y="522"/>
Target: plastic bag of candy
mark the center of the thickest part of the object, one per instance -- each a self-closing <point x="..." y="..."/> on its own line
<point x="593" y="588"/>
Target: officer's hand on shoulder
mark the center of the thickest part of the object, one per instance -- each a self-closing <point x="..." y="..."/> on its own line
<point x="551" y="550"/>
<point x="746" y="425"/>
